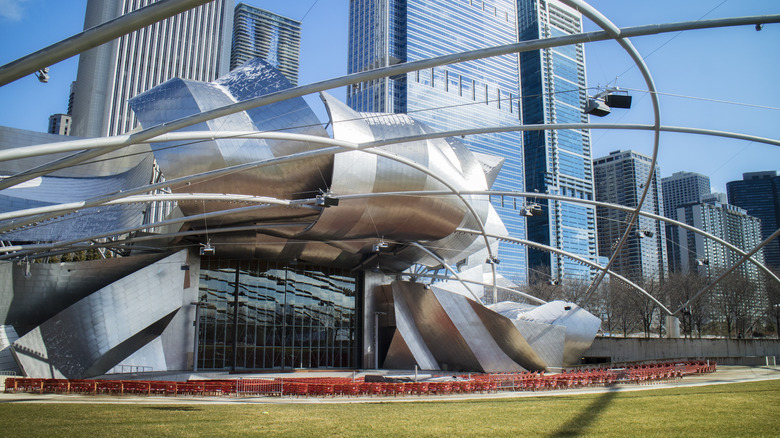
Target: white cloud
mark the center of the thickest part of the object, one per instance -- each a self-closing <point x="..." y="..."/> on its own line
<point x="11" y="9"/>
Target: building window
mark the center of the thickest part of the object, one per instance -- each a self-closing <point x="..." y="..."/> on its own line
<point x="262" y="315"/>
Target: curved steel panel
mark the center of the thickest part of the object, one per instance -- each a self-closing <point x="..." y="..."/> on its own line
<point x="178" y="98"/>
<point x="581" y="326"/>
<point x="91" y="336"/>
<point x="48" y="190"/>
<point x="27" y="303"/>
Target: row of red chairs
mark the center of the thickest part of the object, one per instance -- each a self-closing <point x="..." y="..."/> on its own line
<point x="344" y="386"/>
<point x="638" y="374"/>
<point x="120" y="387"/>
<point x="356" y="388"/>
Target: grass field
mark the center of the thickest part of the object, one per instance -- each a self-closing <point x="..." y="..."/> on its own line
<point x="737" y="409"/>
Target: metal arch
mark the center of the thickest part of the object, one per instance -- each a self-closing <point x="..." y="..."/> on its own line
<point x="341" y="145"/>
<point x="552" y="126"/>
<point x="447" y="267"/>
<point x="161" y="197"/>
<point x="139" y="227"/>
<point x="731" y="269"/>
<point x="597" y="204"/>
<point x="513" y="291"/>
<point x="207" y="134"/>
<point x="106" y="142"/>
<point x="141" y="136"/>
<point x="119" y="243"/>
<point x="94" y="37"/>
<point x="614" y="31"/>
<point x="573" y="257"/>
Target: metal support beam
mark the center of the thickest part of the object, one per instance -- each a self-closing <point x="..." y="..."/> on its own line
<point x="94" y="37"/>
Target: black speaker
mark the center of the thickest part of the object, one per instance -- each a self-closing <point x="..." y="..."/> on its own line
<point x="618" y="101"/>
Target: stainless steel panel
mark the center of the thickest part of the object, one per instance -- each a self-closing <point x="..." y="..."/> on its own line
<point x="177" y="98"/>
<point x="581" y="326"/>
<point x="465" y="315"/>
<point x="52" y="287"/>
<point x="8" y="336"/>
<point x="437" y="330"/>
<point x="93" y="335"/>
<point x="408" y="342"/>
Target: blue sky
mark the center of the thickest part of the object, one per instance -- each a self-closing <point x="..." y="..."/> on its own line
<point x="736" y="65"/>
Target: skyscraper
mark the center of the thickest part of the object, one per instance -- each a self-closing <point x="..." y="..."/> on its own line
<point x="557" y="162"/>
<point x="258" y="33"/>
<point x="59" y="124"/>
<point x="479" y="93"/>
<point x="679" y="189"/>
<point x="192" y="45"/>
<point x="759" y="194"/>
<point x="619" y="179"/>
<point x="710" y="259"/>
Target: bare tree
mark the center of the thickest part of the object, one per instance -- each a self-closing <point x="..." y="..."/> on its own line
<point x="620" y="307"/>
<point x="678" y="288"/>
<point x="773" y="295"/>
<point x="736" y="304"/>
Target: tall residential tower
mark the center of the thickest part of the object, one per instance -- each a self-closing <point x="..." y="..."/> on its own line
<point x="258" y="33"/>
<point x="473" y="94"/>
<point x="679" y="189"/>
<point x="192" y="45"/>
<point x="558" y="162"/>
<point x="620" y="179"/>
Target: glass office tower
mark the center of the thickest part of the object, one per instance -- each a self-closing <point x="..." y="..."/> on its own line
<point x="258" y="33"/>
<point x="480" y="93"/>
<point x="557" y="162"/>
<point x="759" y="194"/>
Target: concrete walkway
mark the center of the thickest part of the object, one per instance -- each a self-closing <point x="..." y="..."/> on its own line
<point x="724" y="374"/>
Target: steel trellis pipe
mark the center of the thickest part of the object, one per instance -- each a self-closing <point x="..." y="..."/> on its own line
<point x="614" y="31"/>
<point x="94" y="37"/>
<point x="402" y="68"/>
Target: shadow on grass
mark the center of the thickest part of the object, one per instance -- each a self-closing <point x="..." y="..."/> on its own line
<point x="578" y="425"/>
<point x="174" y="408"/>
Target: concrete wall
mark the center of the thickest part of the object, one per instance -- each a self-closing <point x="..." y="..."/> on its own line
<point x="724" y="351"/>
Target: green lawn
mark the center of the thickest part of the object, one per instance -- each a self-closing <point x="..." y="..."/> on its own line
<point x="737" y="409"/>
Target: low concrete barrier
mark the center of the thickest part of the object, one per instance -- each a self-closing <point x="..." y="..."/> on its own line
<point x="724" y="351"/>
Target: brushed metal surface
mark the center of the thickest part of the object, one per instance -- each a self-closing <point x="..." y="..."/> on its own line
<point x="94" y="334"/>
<point x="482" y="341"/>
<point x="581" y="326"/>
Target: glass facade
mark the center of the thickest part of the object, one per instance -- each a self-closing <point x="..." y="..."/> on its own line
<point x="556" y="162"/>
<point x="263" y="315"/>
<point x="480" y="93"/>
<point x="759" y="194"/>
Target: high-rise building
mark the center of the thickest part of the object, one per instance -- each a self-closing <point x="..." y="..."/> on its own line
<point x="619" y="179"/>
<point x="710" y="259"/>
<point x="192" y="45"/>
<point x="59" y="124"/>
<point x="679" y="189"/>
<point x="481" y="93"/>
<point x="557" y="162"/>
<point x="683" y="188"/>
<point x="759" y="194"/>
<point x="258" y="33"/>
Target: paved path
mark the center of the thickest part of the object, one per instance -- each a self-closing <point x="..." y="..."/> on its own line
<point x="724" y="374"/>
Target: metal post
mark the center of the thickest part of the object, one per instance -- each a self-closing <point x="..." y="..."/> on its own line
<point x="376" y="340"/>
<point x="235" y="322"/>
<point x="197" y="337"/>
